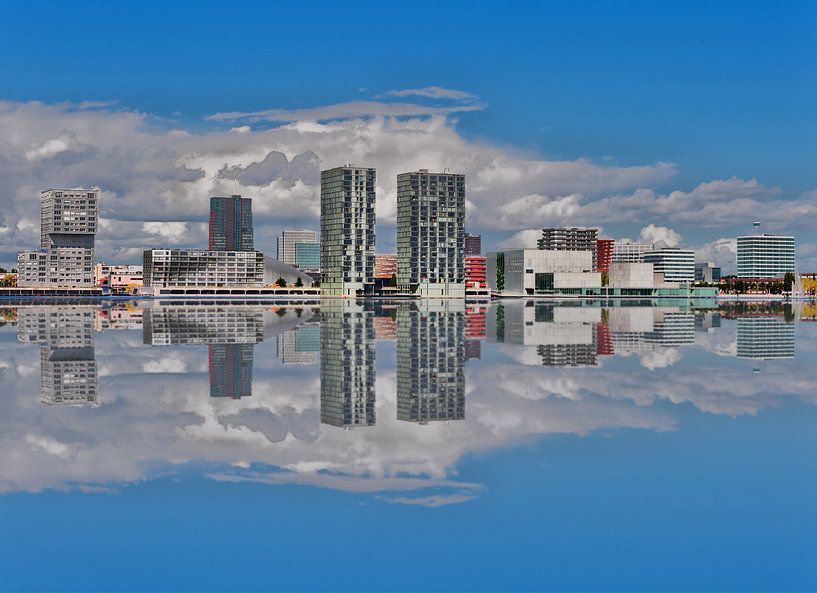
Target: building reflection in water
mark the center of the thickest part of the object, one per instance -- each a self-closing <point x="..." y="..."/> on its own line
<point x="347" y="363"/>
<point x="765" y="337"/>
<point x="430" y="359"/>
<point x="68" y="370"/>
<point x="230" y="334"/>
<point x="300" y="345"/>
<point x="576" y="334"/>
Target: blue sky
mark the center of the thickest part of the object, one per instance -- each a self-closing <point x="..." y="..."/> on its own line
<point x="718" y="90"/>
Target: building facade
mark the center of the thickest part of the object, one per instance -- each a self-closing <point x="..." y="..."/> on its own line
<point x="765" y="256"/>
<point x="287" y="250"/>
<point x="431" y="233"/>
<point x="630" y="253"/>
<point x="347" y="231"/>
<point x="198" y="267"/>
<point x="231" y="226"/>
<point x="604" y="254"/>
<point x="542" y="272"/>
<point x="707" y="272"/>
<point x="385" y="266"/>
<point x="473" y="245"/>
<point x="569" y="239"/>
<point x="476" y="272"/>
<point x="308" y="256"/>
<point x="68" y="225"/>
<point x="677" y="265"/>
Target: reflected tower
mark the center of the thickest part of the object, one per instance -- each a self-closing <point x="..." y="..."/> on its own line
<point x="229" y="332"/>
<point x="68" y="370"/>
<point x="430" y="361"/>
<point x="347" y="364"/>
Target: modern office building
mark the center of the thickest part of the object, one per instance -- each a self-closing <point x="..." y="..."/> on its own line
<point x="231" y="227"/>
<point x="68" y="370"/>
<point x="630" y="253"/>
<point x="677" y="265"/>
<point x="430" y="361"/>
<point x="68" y="225"/>
<point x="347" y="364"/>
<point x="473" y="245"/>
<point x="707" y="272"/>
<point x="475" y="272"/>
<point x="308" y="256"/>
<point x="198" y="267"/>
<point x="287" y="251"/>
<point x="765" y="256"/>
<point x="430" y="233"/>
<point x="765" y="337"/>
<point x="540" y="272"/>
<point x="604" y="254"/>
<point x="347" y="231"/>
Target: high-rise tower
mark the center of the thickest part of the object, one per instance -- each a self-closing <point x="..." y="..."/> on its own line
<point x="230" y="224"/>
<point x="68" y="225"/>
<point x="431" y="233"/>
<point x="347" y="230"/>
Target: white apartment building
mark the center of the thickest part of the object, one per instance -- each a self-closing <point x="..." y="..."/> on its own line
<point x="677" y="265"/>
<point x="199" y="267"/>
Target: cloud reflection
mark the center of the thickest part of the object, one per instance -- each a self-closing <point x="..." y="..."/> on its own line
<point x="403" y="392"/>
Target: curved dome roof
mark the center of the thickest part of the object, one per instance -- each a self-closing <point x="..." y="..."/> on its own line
<point x="274" y="269"/>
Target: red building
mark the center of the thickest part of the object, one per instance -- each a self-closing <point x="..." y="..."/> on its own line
<point x="604" y="254"/>
<point x="476" y="272"/>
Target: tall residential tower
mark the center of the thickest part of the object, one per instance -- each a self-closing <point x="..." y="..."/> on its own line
<point x="430" y="233"/>
<point x="347" y="230"/>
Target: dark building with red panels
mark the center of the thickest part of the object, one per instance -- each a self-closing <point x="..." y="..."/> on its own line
<point x="475" y="272"/>
<point x="230" y="224"/>
<point x="604" y="254"/>
<point x="473" y="244"/>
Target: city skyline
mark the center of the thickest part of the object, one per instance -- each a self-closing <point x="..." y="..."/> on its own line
<point x="636" y="152"/>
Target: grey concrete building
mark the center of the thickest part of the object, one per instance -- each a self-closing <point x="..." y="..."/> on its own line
<point x="431" y="233"/>
<point x="347" y="230"/>
<point x="68" y="225"/>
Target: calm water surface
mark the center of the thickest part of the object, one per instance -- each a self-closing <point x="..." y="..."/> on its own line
<point x="432" y="445"/>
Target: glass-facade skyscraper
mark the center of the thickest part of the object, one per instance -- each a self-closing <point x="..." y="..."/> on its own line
<point x="347" y="230"/>
<point x="230" y="224"/>
<point x="431" y="233"/>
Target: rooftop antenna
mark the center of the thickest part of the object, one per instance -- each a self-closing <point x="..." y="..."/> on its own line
<point x="235" y="182"/>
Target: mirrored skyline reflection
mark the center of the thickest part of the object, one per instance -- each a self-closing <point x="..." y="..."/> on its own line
<point x="148" y="396"/>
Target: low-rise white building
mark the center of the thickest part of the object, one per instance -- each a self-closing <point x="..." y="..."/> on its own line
<point x="200" y="267"/>
<point x="542" y="272"/>
<point x="631" y="275"/>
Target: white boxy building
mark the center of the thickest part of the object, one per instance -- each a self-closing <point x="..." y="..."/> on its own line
<point x="542" y="272"/>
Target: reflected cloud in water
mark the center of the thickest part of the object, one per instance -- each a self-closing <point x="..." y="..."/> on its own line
<point x="403" y="391"/>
